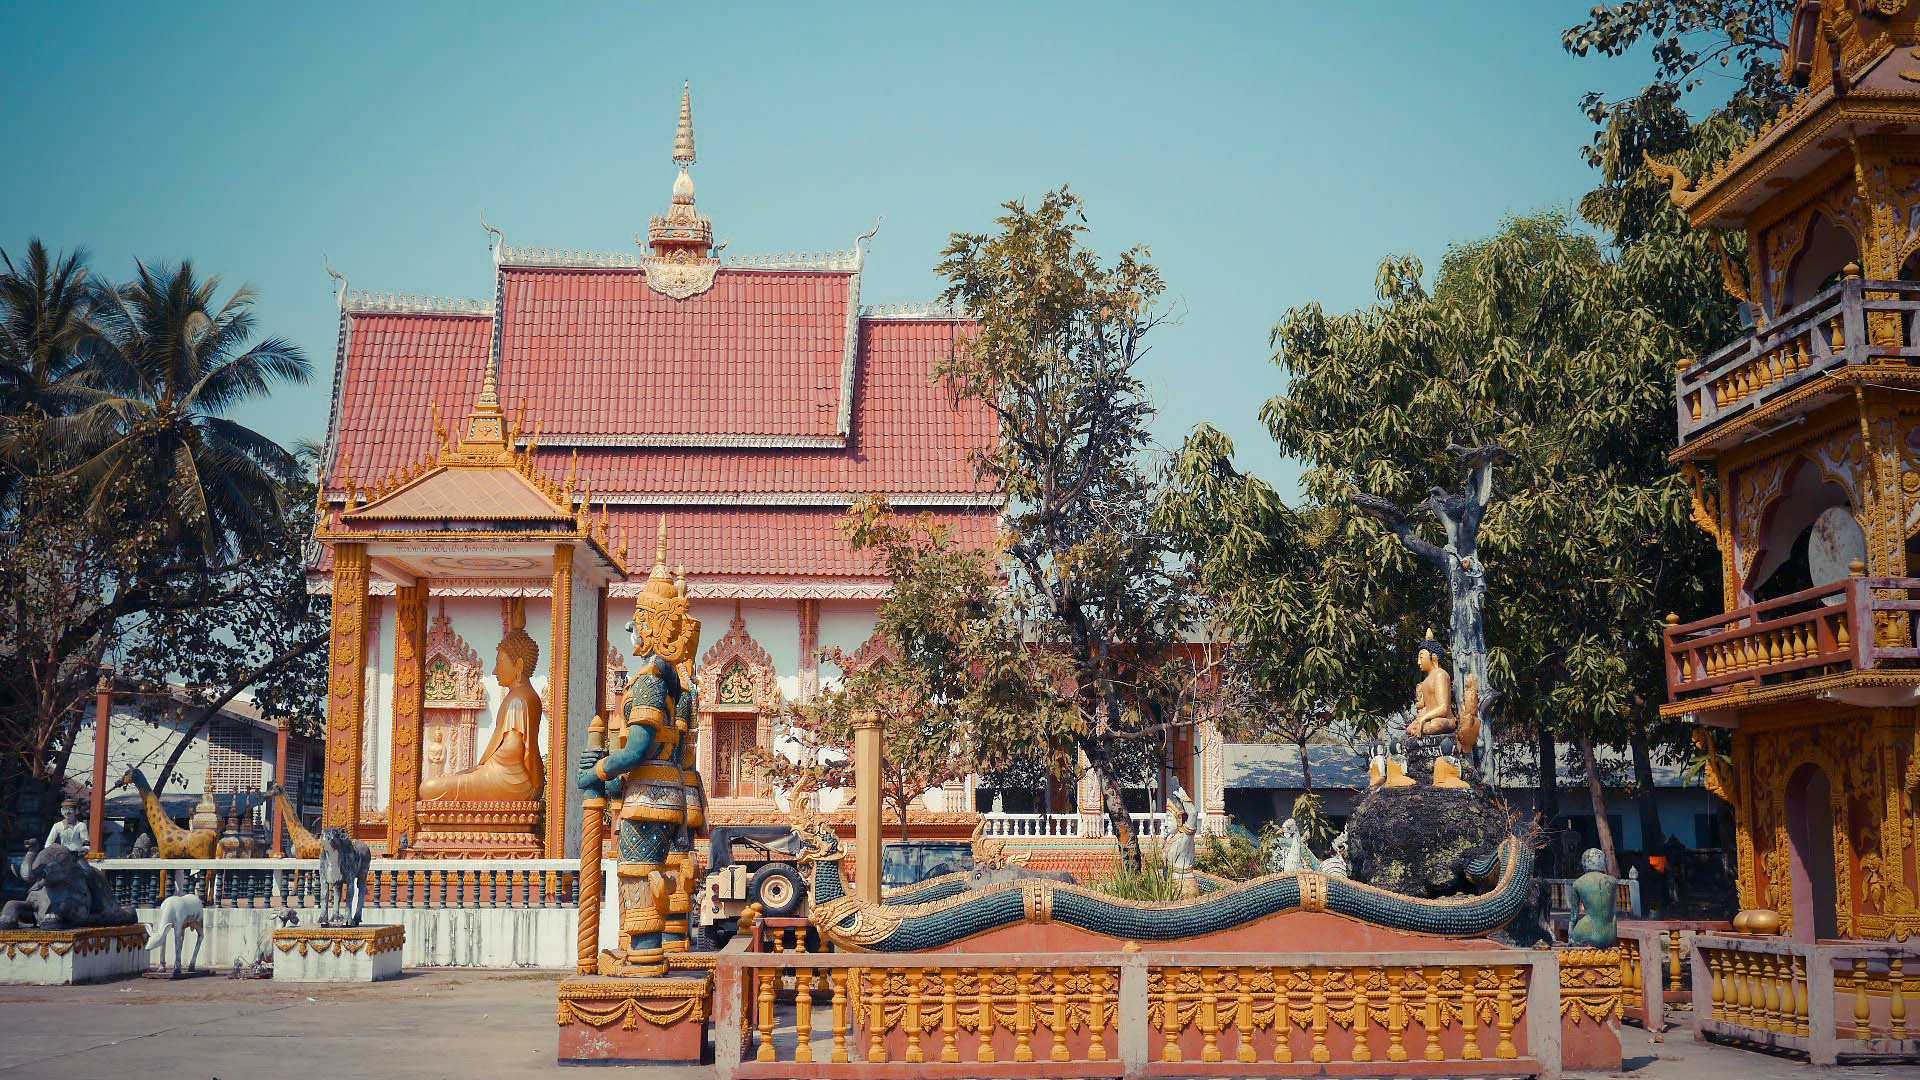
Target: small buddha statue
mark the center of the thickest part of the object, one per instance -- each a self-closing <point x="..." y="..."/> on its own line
<point x="510" y="770"/>
<point x="1433" y="698"/>
<point x="1595" y="897"/>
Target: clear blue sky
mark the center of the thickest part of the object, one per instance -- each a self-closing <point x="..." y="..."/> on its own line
<point x="1270" y="154"/>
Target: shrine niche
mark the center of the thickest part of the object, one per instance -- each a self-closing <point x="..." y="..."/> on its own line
<point x="876" y="651"/>
<point x="455" y="698"/>
<point x="738" y="694"/>
<point x="616" y="677"/>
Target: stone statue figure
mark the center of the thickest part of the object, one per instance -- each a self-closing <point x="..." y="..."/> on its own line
<point x="1180" y="853"/>
<point x="1433" y="698"/>
<point x="342" y="878"/>
<point x="647" y="777"/>
<point x="1293" y="855"/>
<point x="510" y="770"/>
<point x="1336" y="864"/>
<point x="1595" y="896"/>
<point x="67" y="893"/>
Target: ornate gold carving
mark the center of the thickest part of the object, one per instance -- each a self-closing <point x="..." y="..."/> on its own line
<point x="346" y="685"/>
<point x="559" y="686"/>
<point x="336" y="941"/>
<point x="1313" y="892"/>
<point x="1679" y="185"/>
<point x="409" y="686"/>
<point x="83" y="941"/>
<point x="1590" y="984"/>
<point x="680" y="275"/>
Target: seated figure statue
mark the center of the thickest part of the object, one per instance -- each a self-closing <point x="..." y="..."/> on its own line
<point x="510" y="769"/>
<point x="1595" y="899"/>
<point x="1433" y="698"/>
<point x="67" y="893"/>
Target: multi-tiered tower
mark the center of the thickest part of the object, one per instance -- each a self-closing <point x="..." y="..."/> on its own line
<point x="1810" y="425"/>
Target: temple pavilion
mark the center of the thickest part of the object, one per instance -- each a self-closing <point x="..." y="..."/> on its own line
<point x="1803" y="439"/>
<point x="501" y="464"/>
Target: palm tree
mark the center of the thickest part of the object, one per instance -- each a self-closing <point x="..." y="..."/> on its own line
<point x="171" y="359"/>
<point x="46" y="320"/>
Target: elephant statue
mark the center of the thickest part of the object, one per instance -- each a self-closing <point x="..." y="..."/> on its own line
<point x="67" y="893"/>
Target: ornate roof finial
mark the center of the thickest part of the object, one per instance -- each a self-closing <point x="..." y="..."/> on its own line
<point x="683" y="134"/>
<point x="487" y="424"/>
<point x="682" y="233"/>
<point x="660" y="553"/>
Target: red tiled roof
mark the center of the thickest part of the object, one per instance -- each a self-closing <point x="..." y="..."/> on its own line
<point x="477" y="494"/>
<point x="714" y="541"/>
<point x="595" y="351"/>
<point x="907" y="436"/>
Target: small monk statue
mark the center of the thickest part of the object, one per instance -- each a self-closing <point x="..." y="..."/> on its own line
<point x="1595" y="899"/>
<point x="1180" y="853"/>
<point x="1433" y="698"/>
<point x="510" y="770"/>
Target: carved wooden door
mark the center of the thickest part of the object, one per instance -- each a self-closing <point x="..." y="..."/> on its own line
<point x="733" y="736"/>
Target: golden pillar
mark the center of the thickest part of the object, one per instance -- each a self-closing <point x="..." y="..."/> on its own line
<point x="346" y="685"/>
<point x="409" y="708"/>
<point x="593" y="824"/>
<point x="560" y="675"/>
<point x="866" y="810"/>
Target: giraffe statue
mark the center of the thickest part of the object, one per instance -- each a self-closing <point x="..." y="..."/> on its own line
<point x="305" y="844"/>
<point x="171" y="841"/>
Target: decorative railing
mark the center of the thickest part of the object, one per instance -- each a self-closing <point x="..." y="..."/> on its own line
<point x="1626" y="896"/>
<point x="1830" y="1000"/>
<point x="417" y="883"/>
<point x="1835" y="329"/>
<point x="1459" y="1013"/>
<point x="1070" y="826"/>
<point x="1817" y="631"/>
<point x="1657" y="973"/>
<point x="1014" y="826"/>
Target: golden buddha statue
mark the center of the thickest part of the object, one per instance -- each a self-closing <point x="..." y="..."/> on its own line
<point x="510" y="770"/>
<point x="1433" y="698"/>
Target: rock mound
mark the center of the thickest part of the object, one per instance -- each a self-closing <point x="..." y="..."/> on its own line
<point x="1419" y="840"/>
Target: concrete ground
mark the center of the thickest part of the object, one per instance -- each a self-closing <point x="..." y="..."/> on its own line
<point x="461" y="1024"/>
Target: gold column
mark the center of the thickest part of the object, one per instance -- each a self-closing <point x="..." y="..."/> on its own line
<point x="559" y="676"/>
<point x="866" y="813"/>
<point x="409" y="708"/>
<point x="346" y="685"/>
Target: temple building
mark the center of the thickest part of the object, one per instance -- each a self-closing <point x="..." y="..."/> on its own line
<point x="509" y="458"/>
<point x="1803" y="440"/>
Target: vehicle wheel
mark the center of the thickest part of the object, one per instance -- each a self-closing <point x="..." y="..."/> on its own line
<point x="776" y="888"/>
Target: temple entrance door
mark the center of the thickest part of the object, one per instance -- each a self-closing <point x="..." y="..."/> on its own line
<point x="1810" y="834"/>
<point x="733" y="736"/>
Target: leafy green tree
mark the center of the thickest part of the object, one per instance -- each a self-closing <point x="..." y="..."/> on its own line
<point x="1092" y="578"/>
<point x="924" y="739"/>
<point x="139" y="523"/>
<point x="1531" y="340"/>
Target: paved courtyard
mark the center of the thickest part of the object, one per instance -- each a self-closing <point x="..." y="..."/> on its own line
<point x="468" y="1025"/>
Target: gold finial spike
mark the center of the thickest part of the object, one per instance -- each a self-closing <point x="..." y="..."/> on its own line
<point x="1852" y="270"/>
<point x="683" y="134"/>
<point x="573" y="471"/>
<point x="1427" y="635"/>
<point x="346" y="468"/>
<point x="603" y="513"/>
<point x="660" y="554"/>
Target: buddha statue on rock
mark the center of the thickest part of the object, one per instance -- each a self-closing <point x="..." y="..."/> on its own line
<point x="1433" y="698"/>
<point x="510" y="770"/>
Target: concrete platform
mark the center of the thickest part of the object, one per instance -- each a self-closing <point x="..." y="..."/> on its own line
<point x="354" y="954"/>
<point x="67" y="957"/>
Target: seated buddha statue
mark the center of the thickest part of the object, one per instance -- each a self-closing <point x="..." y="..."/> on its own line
<point x="510" y="769"/>
<point x="1433" y="699"/>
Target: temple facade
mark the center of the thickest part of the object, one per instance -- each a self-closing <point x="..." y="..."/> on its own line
<point x="1803" y="441"/>
<point x="746" y="400"/>
<point x="516" y="453"/>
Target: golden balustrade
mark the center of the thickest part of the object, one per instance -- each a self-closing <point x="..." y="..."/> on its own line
<point x="402" y="883"/>
<point x="1102" y="1014"/>
<point x="1823" y="1000"/>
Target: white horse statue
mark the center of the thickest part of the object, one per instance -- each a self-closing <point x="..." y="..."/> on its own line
<point x="343" y="871"/>
<point x="178" y="914"/>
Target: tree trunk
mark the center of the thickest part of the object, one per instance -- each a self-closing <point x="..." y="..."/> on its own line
<point x="1306" y="770"/>
<point x="1114" y="802"/>
<point x="1599" y="796"/>
<point x="1547" y="795"/>
<point x="207" y="714"/>
<point x="1653" y="837"/>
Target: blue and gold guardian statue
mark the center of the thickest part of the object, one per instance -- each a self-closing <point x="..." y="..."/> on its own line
<point x="649" y="781"/>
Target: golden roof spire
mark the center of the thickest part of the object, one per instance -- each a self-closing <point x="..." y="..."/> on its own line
<point x="660" y="552"/>
<point x="683" y="134"/>
<point x="487" y="423"/>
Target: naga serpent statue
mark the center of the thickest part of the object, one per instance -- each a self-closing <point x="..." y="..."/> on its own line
<point x="941" y="913"/>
